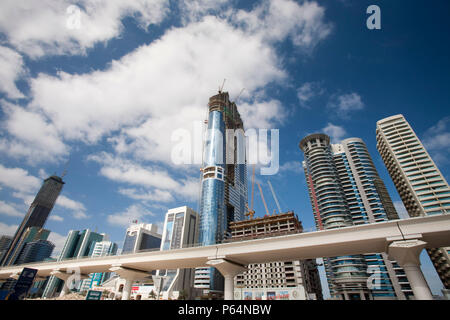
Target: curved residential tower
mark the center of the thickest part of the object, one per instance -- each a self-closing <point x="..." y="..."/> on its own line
<point x="344" y="183"/>
<point x="346" y="275"/>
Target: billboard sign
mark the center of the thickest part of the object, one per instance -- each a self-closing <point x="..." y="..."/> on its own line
<point x="93" y="295"/>
<point x="23" y="284"/>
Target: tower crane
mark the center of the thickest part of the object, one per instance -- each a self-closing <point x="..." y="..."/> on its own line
<point x="250" y="211"/>
<point x="262" y="197"/>
<point x="274" y="196"/>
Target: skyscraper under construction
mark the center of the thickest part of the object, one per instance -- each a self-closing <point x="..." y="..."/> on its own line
<point x="224" y="182"/>
<point x="37" y="213"/>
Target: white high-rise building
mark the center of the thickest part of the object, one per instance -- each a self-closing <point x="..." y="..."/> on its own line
<point x="421" y="186"/>
<point x="142" y="236"/>
<point x="180" y="231"/>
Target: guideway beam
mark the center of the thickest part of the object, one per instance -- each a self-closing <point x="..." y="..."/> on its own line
<point x="130" y="275"/>
<point x="407" y="255"/>
<point x="229" y="270"/>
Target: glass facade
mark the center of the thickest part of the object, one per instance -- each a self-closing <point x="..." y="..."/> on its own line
<point x="37" y="214"/>
<point x="128" y="244"/>
<point x="180" y="230"/>
<point x="78" y="244"/>
<point x="346" y="275"/>
<point x="224" y="181"/>
<point x="369" y="202"/>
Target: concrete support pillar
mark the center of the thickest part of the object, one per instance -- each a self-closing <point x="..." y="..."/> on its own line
<point x="229" y="270"/>
<point x="67" y="277"/>
<point x="229" y="287"/>
<point x="65" y="289"/>
<point x="407" y="254"/>
<point x="127" y="288"/>
<point x="130" y="275"/>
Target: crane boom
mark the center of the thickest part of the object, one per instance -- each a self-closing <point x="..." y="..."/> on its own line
<point x="262" y="197"/>
<point x="274" y="196"/>
<point x="253" y="184"/>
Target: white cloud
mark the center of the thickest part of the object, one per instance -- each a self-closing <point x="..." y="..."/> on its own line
<point x="77" y="208"/>
<point x="58" y="240"/>
<point x="438" y="136"/>
<point x="291" y="167"/>
<point x="262" y="114"/>
<point x="336" y="133"/>
<point x="276" y="20"/>
<point x="345" y="103"/>
<point x="194" y="10"/>
<point x="11" y="69"/>
<point x="144" y="195"/>
<point x="308" y="91"/>
<point x="437" y="141"/>
<point x="156" y="180"/>
<point x="38" y="142"/>
<point x="49" y="27"/>
<point x="140" y="99"/>
<point x="10" y="209"/>
<point x="125" y="218"/>
<point x="7" y="230"/>
<point x="19" y="180"/>
<point x="54" y="217"/>
<point x="141" y="84"/>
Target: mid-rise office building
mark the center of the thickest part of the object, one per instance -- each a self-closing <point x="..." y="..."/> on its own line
<point x="421" y="186"/>
<point x="180" y="231"/>
<point x="224" y="182"/>
<point x="35" y="251"/>
<point x="30" y="234"/>
<point x="142" y="236"/>
<point x="37" y="214"/>
<point x="20" y="256"/>
<point x="5" y="242"/>
<point x="276" y="280"/>
<point x="78" y="244"/>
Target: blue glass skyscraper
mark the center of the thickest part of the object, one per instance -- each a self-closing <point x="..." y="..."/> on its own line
<point x="224" y="181"/>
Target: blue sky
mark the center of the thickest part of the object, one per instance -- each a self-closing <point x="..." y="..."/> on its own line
<point x="104" y="84"/>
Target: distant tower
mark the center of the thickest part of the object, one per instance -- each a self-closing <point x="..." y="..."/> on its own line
<point x="37" y="213"/>
<point x="224" y="182"/>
